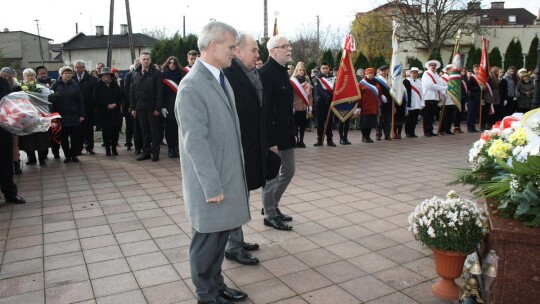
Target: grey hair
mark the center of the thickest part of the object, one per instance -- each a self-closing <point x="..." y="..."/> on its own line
<point x="273" y="41"/>
<point x="214" y="30"/>
<point x="137" y="61"/>
<point x="79" y="62"/>
<point x="28" y="72"/>
<point x="242" y="38"/>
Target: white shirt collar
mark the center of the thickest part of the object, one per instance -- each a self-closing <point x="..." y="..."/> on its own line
<point x="215" y="71"/>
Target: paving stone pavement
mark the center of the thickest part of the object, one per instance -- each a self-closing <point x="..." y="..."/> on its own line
<point x="113" y="230"/>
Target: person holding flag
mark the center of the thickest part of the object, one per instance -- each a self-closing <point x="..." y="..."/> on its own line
<point x="481" y="76"/>
<point x="448" y="107"/>
<point x="433" y="89"/>
<point x="302" y="102"/>
<point x="415" y="101"/>
<point x="324" y="91"/>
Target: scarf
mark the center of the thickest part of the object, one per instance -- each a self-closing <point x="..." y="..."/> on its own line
<point x="301" y="79"/>
<point x="175" y="75"/>
<point x="253" y="77"/>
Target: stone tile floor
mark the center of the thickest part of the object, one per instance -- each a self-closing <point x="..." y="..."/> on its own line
<point x="113" y="230"/>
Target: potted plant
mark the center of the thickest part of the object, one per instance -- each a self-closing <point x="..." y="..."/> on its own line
<point x="505" y="170"/>
<point x="452" y="227"/>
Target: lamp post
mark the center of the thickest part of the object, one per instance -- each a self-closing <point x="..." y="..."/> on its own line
<point x="536" y="94"/>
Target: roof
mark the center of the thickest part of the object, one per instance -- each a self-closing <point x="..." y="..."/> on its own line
<point x="82" y="41"/>
<point x="500" y="16"/>
<point x="25" y="33"/>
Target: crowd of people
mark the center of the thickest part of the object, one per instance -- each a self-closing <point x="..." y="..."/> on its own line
<point x="235" y="122"/>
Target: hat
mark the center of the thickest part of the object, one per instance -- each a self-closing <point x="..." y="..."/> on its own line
<point x="522" y="70"/>
<point x="383" y="67"/>
<point x="8" y="71"/>
<point x="414" y="69"/>
<point x="65" y="68"/>
<point x="105" y="71"/>
<point x="273" y="163"/>
<point x="432" y="62"/>
<point x="448" y="66"/>
<point x="114" y="70"/>
<point x="370" y="71"/>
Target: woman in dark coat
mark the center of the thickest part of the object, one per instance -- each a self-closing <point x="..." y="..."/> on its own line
<point x="525" y="90"/>
<point x="108" y="98"/>
<point x="172" y="74"/>
<point x="69" y="103"/>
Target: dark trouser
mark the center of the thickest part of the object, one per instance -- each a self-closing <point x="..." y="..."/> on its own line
<point x="87" y="136"/>
<point x="73" y="133"/>
<point x="42" y="154"/>
<point x="205" y="259"/>
<point x="448" y="118"/>
<point x="137" y="135"/>
<point x="511" y="106"/>
<point x="485" y="117"/>
<point x="384" y="124"/>
<point x="428" y="114"/>
<point x="458" y="116"/>
<point x="110" y="136"/>
<point x="129" y="129"/>
<point x="411" y="121"/>
<point x="55" y="144"/>
<point x="150" y="132"/>
<point x="366" y="133"/>
<point x="162" y="126"/>
<point x="301" y="122"/>
<point x="171" y="132"/>
<point x="7" y="185"/>
<point x="322" y="113"/>
<point x="343" y="129"/>
<point x="472" y="114"/>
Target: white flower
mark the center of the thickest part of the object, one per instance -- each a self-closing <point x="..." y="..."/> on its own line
<point x="431" y="232"/>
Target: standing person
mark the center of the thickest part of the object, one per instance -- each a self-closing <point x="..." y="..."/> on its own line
<point x="369" y="104"/>
<point x="8" y="187"/>
<point x="461" y="114"/>
<point x="512" y="81"/>
<point x="494" y="82"/>
<point x="70" y="105"/>
<point x="449" y="106"/>
<point x="172" y="74"/>
<point x="108" y="98"/>
<point x="415" y="101"/>
<point x="146" y="98"/>
<point x="525" y="90"/>
<point x="400" y="113"/>
<point x="503" y="93"/>
<point x="191" y="58"/>
<point x="324" y="91"/>
<point x="87" y="84"/>
<point x="44" y="79"/>
<point x="38" y="141"/>
<point x="384" y="125"/>
<point x="99" y="66"/>
<point x="250" y="106"/>
<point x="302" y="102"/>
<point x="432" y="88"/>
<point x="280" y="137"/>
<point x="9" y="75"/>
<point x="475" y="91"/>
<point x="213" y="177"/>
<point x="133" y="130"/>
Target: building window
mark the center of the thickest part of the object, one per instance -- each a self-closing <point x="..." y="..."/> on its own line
<point x="512" y="19"/>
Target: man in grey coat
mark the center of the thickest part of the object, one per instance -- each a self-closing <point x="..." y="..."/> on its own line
<point x="213" y="178"/>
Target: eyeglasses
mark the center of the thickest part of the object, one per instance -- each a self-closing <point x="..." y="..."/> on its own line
<point x="284" y="46"/>
<point x="432" y="65"/>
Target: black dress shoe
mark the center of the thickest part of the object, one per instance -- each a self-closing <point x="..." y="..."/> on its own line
<point x="441" y="133"/>
<point x="449" y="133"/>
<point x="75" y="159"/>
<point x="138" y="151"/>
<point x="330" y="143"/>
<point x="91" y="152"/>
<point x="67" y="160"/>
<point x="250" y="246"/>
<point x="378" y="137"/>
<point x="318" y="144"/>
<point x="155" y="158"/>
<point x="15" y="199"/>
<point x="218" y="300"/>
<point x="346" y="141"/>
<point x="232" y="294"/>
<point x="367" y="140"/>
<point x="144" y="157"/>
<point x="242" y="257"/>
<point x="277" y="223"/>
<point x="284" y="217"/>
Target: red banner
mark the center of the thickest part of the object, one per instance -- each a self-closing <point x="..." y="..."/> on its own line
<point x="346" y="90"/>
<point x="483" y="72"/>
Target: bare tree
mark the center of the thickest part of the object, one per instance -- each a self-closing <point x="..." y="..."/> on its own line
<point x="156" y="32"/>
<point x="432" y="24"/>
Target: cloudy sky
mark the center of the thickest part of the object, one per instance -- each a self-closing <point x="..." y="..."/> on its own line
<point x="57" y="18"/>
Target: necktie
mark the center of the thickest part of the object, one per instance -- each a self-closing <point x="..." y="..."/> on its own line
<point x="222" y="83"/>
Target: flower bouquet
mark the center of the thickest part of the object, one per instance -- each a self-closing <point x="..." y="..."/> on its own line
<point x="505" y="166"/>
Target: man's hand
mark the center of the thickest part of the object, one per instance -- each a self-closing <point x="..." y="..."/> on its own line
<point x="134" y="113"/>
<point x="216" y="200"/>
<point x="274" y="149"/>
<point x="505" y="103"/>
<point x="164" y="112"/>
<point x="156" y="113"/>
<point x="81" y="119"/>
<point x="111" y="106"/>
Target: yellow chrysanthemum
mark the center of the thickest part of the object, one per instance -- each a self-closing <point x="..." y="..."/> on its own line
<point x="499" y="149"/>
<point x="24" y="88"/>
<point x="518" y="137"/>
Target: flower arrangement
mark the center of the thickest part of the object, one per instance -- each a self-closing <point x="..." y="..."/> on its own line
<point x="505" y="165"/>
<point x="32" y="86"/>
<point x="448" y="224"/>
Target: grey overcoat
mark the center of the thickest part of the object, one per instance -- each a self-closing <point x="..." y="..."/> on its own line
<point x="210" y="153"/>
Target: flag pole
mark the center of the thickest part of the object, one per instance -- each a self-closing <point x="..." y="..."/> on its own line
<point x="326" y="123"/>
<point x="481" y="110"/>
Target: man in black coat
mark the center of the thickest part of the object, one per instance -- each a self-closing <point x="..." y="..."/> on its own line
<point x="248" y="95"/>
<point x="133" y="129"/>
<point x="86" y="83"/>
<point x="281" y="131"/>
<point x="7" y="185"/>
<point x="146" y="99"/>
<point x="323" y="92"/>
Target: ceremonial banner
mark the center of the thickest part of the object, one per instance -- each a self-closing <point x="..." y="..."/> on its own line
<point x="275" y="27"/>
<point x="454" y="82"/>
<point x="397" y="89"/>
<point x="483" y="72"/>
<point x="346" y="90"/>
